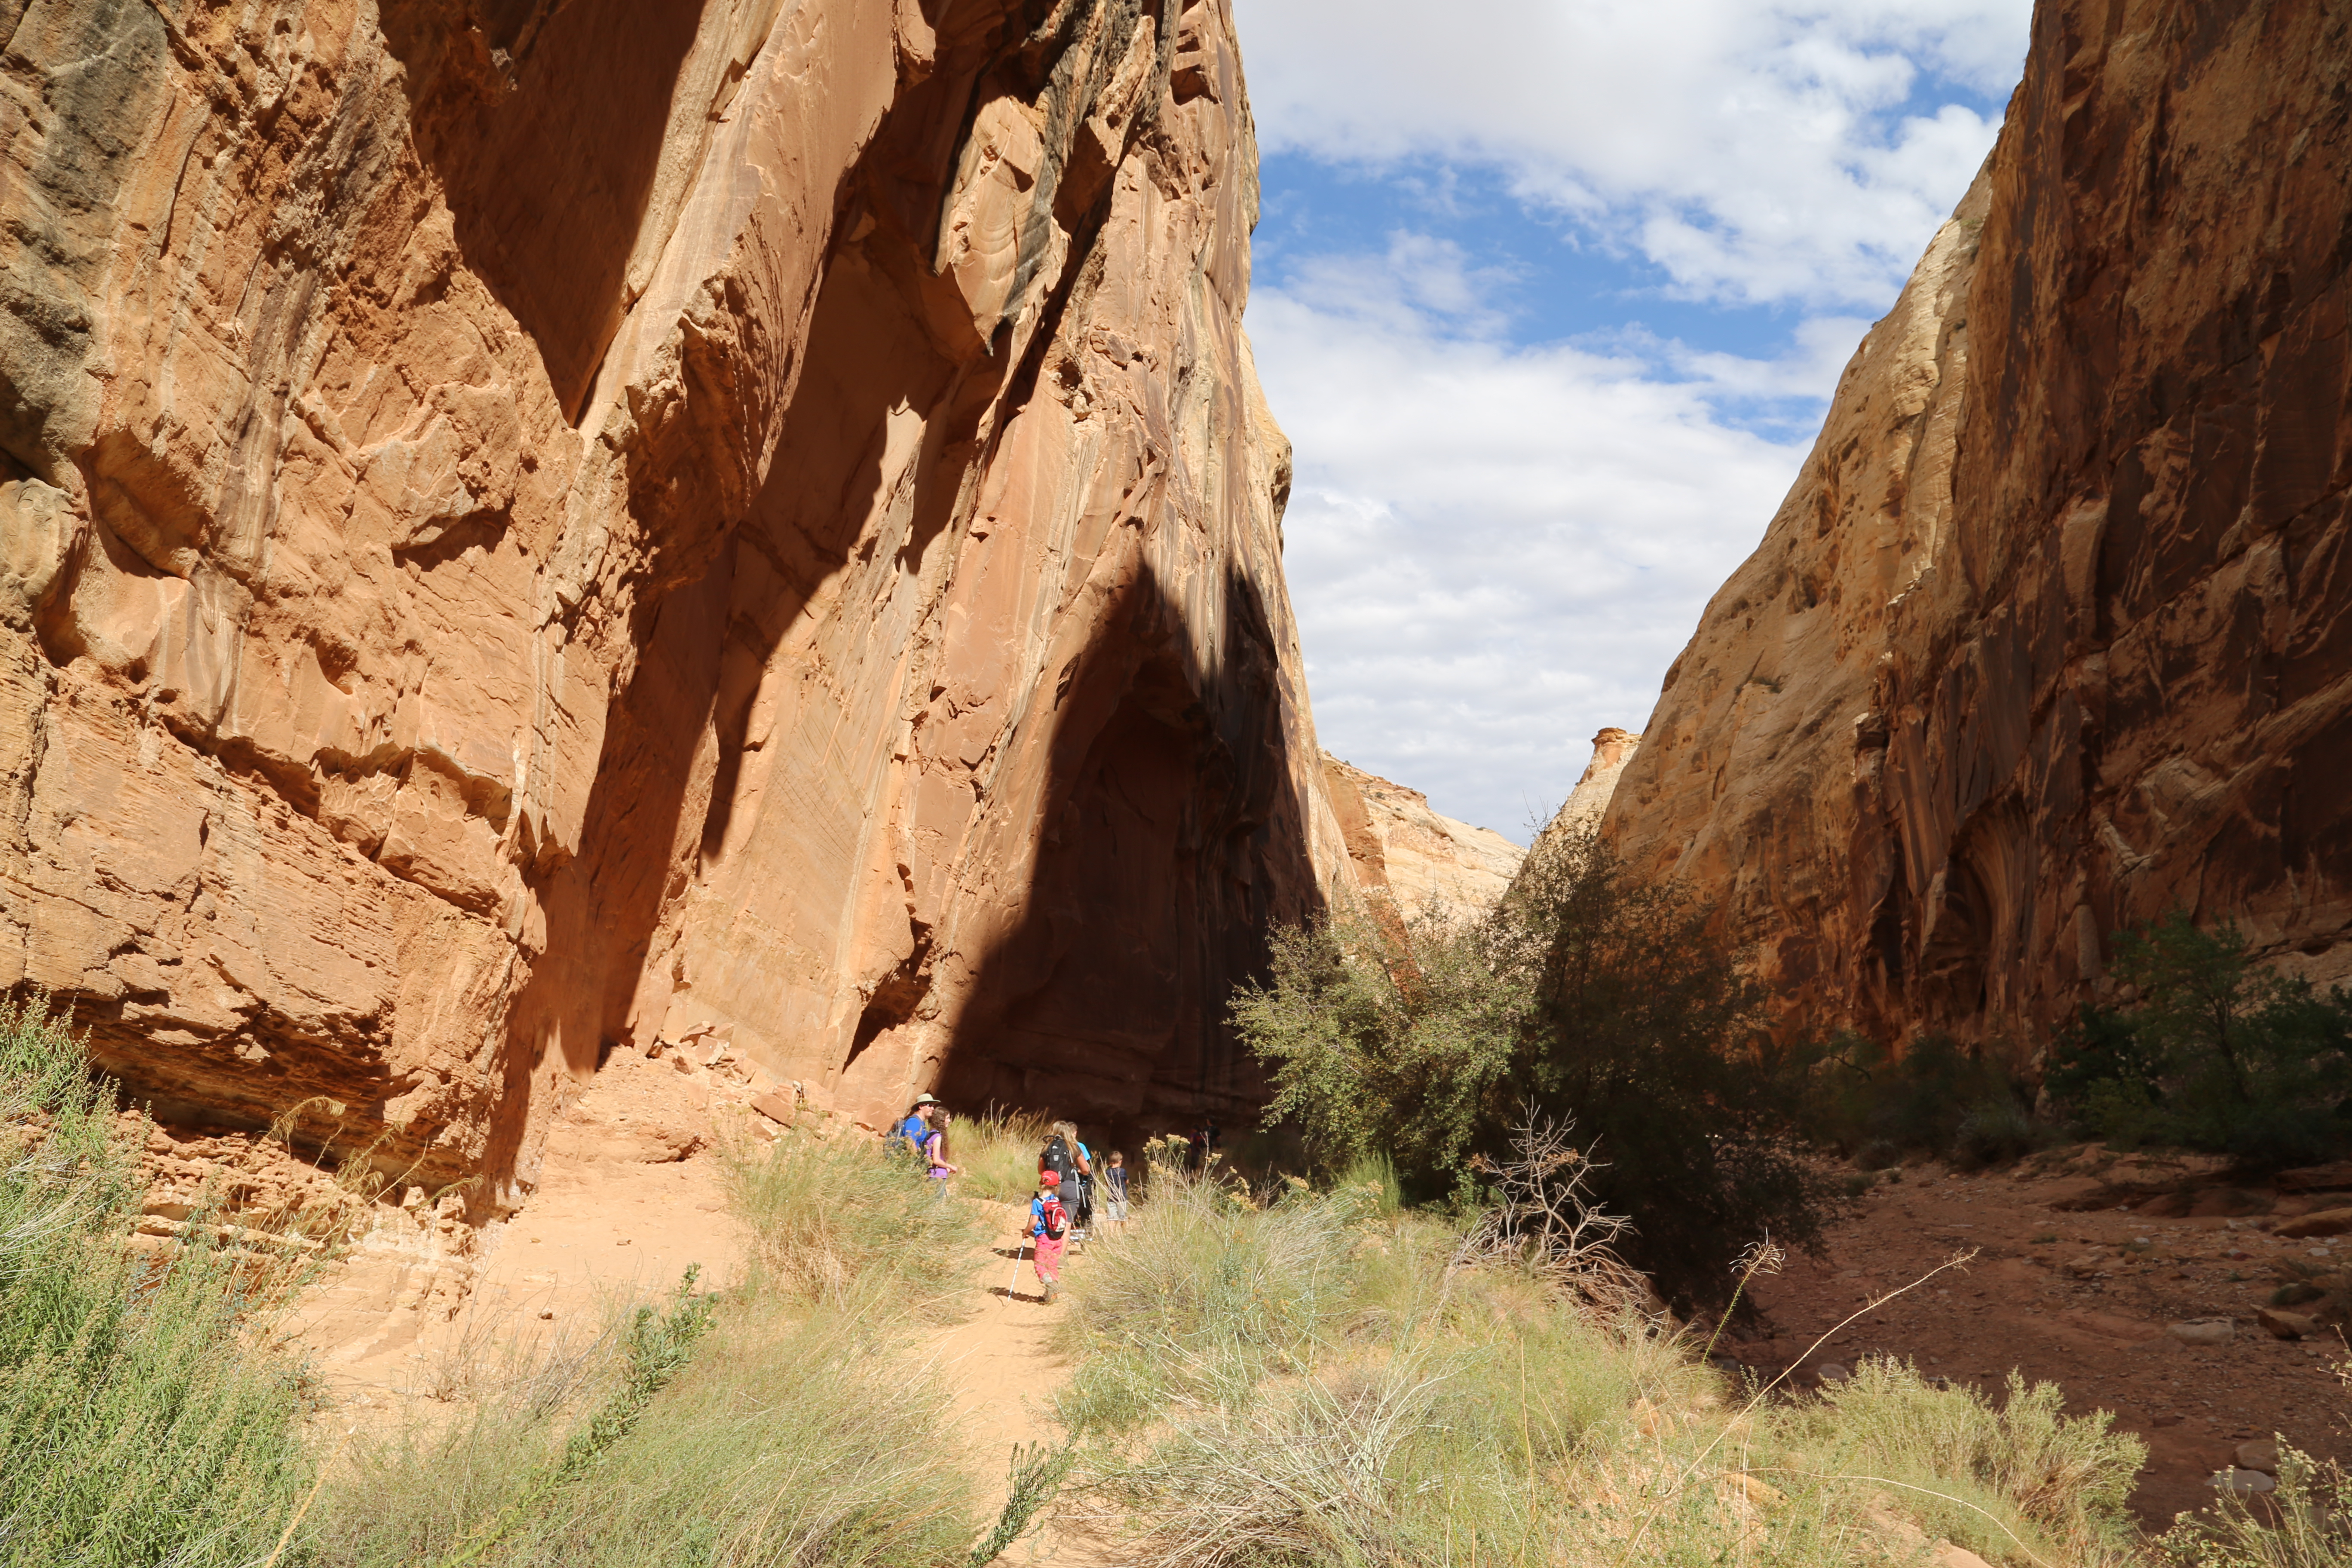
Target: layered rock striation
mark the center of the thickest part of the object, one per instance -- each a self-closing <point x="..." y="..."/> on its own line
<point x="2055" y="632"/>
<point x="531" y="528"/>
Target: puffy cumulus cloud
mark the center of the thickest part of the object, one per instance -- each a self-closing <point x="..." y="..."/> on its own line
<point x="1495" y="549"/>
<point x="1755" y="151"/>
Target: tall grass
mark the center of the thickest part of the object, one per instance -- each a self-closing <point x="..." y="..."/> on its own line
<point x="1320" y="1382"/>
<point x="831" y="1218"/>
<point x="144" y="1417"/>
<point x="998" y="1154"/>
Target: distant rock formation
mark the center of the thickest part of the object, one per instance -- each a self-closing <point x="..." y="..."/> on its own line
<point x="528" y="529"/>
<point x="2054" y="631"/>
<point x="1424" y="861"/>
<point x="1586" y="805"/>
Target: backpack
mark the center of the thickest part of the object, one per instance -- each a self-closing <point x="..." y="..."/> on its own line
<point x="906" y="1139"/>
<point x="1059" y="1159"/>
<point x="1052" y="1219"/>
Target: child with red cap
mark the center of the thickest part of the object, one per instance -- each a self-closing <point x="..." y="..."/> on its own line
<point x="1049" y="1222"/>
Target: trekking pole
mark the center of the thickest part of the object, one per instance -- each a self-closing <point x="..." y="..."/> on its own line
<point x="1016" y="1269"/>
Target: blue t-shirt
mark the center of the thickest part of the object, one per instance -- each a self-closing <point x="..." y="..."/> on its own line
<point x="914" y="1130"/>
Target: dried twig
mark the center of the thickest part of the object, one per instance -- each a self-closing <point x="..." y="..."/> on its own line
<point x="1543" y="1220"/>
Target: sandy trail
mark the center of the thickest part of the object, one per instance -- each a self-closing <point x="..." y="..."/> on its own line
<point x="1001" y="1362"/>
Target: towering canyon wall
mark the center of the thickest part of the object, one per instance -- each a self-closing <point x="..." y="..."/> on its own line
<point x="2055" y="632"/>
<point x="533" y="527"/>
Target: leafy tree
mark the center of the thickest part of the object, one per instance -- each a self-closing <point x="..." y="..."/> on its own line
<point x="1586" y="996"/>
<point x="2213" y="1052"/>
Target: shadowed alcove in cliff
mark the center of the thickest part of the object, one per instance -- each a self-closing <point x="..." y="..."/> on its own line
<point x="1173" y="840"/>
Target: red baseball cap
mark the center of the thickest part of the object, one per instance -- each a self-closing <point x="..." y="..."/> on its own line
<point x="1050" y="1179"/>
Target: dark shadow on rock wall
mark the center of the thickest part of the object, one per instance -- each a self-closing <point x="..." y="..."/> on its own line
<point x="1173" y="838"/>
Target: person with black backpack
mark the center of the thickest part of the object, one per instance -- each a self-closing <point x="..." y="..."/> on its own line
<point x="1065" y="1156"/>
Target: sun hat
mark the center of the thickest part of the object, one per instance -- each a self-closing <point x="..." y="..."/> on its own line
<point x="927" y="1099"/>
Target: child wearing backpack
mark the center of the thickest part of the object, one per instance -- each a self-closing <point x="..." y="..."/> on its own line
<point x="1049" y="1224"/>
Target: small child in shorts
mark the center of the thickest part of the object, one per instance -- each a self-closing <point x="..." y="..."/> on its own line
<point x="1049" y="1225"/>
<point x="1115" y="1189"/>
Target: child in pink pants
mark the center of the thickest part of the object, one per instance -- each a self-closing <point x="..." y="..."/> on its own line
<point x="1049" y="1223"/>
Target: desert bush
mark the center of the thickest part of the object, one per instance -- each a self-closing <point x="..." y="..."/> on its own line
<point x="2306" y="1523"/>
<point x="145" y="1416"/>
<point x="1585" y="995"/>
<point x="1939" y="1095"/>
<point x="831" y="1218"/>
<point x="1196" y="1307"/>
<point x="2215" y="1052"/>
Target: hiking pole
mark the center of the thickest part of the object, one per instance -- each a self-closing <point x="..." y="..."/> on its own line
<point x="1016" y="1269"/>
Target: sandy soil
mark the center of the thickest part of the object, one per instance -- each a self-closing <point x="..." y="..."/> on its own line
<point x="2077" y="1297"/>
<point x="630" y="1195"/>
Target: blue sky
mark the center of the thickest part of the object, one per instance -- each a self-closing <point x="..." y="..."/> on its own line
<point x="1549" y="295"/>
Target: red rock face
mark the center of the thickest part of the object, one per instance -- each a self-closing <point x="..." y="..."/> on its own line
<point x="2055" y="633"/>
<point x="531" y="528"/>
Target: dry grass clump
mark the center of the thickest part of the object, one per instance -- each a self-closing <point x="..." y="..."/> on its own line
<point x="1316" y="1381"/>
<point x="998" y="1152"/>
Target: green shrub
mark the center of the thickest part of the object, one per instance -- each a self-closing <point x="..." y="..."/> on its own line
<point x="1939" y="1097"/>
<point x="1586" y="998"/>
<point x="1198" y="1306"/>
<point x="2301" y="1525"/>
<point x="998" y="1153"/>
<point x="144" y="1417"/>
<point x="2214" y="1052"/>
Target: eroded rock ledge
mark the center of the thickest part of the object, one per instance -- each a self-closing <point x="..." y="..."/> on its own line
<point x="531" y="528"/>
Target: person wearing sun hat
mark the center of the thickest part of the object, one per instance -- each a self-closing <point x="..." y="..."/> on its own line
<point x="915" y="1127"/>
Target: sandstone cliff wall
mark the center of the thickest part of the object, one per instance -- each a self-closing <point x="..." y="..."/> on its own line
<point x="530" y="527"/>
<point x="2054" y="631"/>
<point x="1425" y="861"/>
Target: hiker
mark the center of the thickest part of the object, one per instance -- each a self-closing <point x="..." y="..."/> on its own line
<point x="1049" y="1223"/>
<point x="1066" y="1157"/>
<point x="907" y="1134"/>
<point x="1082" y="1213"/>
<point x="933" y="1146"/>
<point x="1115" y="1189"/>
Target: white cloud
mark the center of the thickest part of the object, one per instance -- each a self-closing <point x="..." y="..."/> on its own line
<point x="1495" y="549"/>
<point x="1755" y="151"/>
